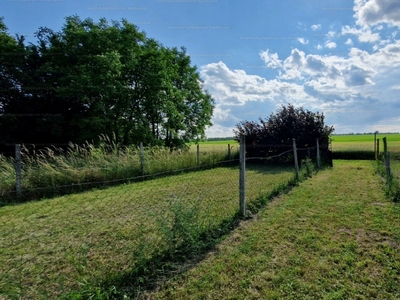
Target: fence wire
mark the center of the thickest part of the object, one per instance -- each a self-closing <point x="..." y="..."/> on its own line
<point x="81" y="240"/>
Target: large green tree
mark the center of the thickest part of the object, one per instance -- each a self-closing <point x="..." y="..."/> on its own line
<point x="100" y="78"/>
<point x="275" y="134"/>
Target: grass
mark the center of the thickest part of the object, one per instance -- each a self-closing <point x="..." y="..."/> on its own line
<point x="364" y="142"/>
<point x="85" y="167"/>
<point x="84" y="244"/>
<point x="336" y="236"/>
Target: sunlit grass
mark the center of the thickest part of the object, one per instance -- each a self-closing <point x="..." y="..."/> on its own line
<point x="77" y="242"/>
<point x="85" y="164"/>
<point x="336" y="236"/>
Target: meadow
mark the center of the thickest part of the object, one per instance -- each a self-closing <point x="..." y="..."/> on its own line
<point x="136" y="238"/>
<point x="47" y="174"/>
<point x="83" y="244"/>
<point x="336" y="236"/>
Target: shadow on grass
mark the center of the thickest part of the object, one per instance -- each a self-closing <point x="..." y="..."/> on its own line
<point x="150" y="272"/>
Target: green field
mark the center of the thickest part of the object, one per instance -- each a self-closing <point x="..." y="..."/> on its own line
<point x="336" y="236"/>
<point x="78" y="242"/>
<point x="364" y="142"/>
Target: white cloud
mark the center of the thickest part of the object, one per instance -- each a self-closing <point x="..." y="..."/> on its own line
<point x="303" y="41"/>
<point x="316" y="27"/>
<point x="349" y="42"/>
<point x="353" y="90"/>
<point x="330" y="44"/>
<point x="364" y="35"/>
<point x="271" y="60"/>
<point x="319" y="47"/>
<point x="331" y="34"/>
<point x="373" y="12"/>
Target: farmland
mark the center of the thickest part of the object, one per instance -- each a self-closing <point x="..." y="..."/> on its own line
<point x="101" y="242"/>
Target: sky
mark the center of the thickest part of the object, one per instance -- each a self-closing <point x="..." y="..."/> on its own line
<point x="338" y="57"/>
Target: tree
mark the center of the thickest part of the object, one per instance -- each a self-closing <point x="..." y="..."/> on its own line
<point x="274" y="135"/>
<point x="93" y="79"/>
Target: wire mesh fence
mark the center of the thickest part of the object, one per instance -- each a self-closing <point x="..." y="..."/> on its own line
<point x="388" y="163"/>
<point x="119" y="235"/>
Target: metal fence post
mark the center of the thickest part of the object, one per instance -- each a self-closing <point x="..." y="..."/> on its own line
<point x="296" y="163"/>
<point x="242" y="177"/>
<point x="318" y="156"/>
<point x="18" y="170"/>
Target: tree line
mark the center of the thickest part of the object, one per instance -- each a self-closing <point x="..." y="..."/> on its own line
<point x="92" y="79"/>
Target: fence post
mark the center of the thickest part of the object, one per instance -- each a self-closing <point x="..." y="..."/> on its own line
<point x="387" y="164"/>
<point x="375" y="152"/>
<point x="296" y="163"/>
<point x="242" y="177"/>
<point x="229" y="151"/>
<point x="384" y="146"/>
<point x="377" y="148"/>
<point x="198" y="155"/>
<point x="318" y="156"/>
<point x="18" y="170"/>
<point x="142" y="158"/>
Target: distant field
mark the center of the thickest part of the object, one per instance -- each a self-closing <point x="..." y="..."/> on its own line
<point x="358" y="142"/>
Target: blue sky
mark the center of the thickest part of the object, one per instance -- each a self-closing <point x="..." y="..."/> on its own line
<point x="339" y="57"/>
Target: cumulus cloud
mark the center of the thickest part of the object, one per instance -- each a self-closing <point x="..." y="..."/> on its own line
<point x="330" y="44"/>
<point x="364" y="35"/>
<point x="303" y="41"/>
<point x="316" y="27"/>
<point x="349" y="42"/>
<point x="373" y="12"/>
<point x="271" y="60"/>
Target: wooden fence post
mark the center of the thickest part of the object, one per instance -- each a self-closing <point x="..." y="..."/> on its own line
<point x="18" y="170"/>
<point x="296" y="163"/>
<point x="387" y="164"/>
<point x="377" y="148"/>
<point x="142" y="158"/>
<point x="384" y="146"/>
<point x="318" y="156"/>
<point x="375" y="152"/>
<point x="229" y="151"/>
<point x="198" y="155"/>
<point x="242" y="177"/>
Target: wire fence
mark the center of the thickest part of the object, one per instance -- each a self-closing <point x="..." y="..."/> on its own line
<point x="389" y="167"/>
<point x="135" y="232"/>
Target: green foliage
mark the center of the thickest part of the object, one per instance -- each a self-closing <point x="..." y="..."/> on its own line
<point x="93" y="79"/>
<point x="274" y="135"/>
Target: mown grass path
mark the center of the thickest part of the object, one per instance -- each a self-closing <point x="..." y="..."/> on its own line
<point x="335" y="236"/>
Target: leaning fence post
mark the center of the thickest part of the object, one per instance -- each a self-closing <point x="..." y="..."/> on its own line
<point x="296" y="163"/>
<point x="198" y="155"/>
<point x="242" y="177"/>
<point x="318" y="156"/>
<point x="18" y="170"/>
<point x="141" y="158"/>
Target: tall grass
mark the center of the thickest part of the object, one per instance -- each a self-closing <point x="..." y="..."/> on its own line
<point x="52" y="171"/>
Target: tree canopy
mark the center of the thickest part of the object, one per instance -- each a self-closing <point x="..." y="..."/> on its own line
<point x="275" y="134"/>
<point x="92" y="79"/>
